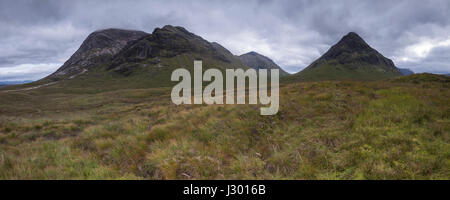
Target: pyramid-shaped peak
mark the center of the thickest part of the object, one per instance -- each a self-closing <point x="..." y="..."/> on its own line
<point x="352" y="42"/>
<point x="353" y="59"/>
<point x="352" y="35"/>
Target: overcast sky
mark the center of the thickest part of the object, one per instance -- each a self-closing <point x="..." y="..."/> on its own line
<point x="37" y="37"/>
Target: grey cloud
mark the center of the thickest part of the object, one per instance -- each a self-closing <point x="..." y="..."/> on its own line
<point x="292" y="33"/>
<point x="436" y="62"/>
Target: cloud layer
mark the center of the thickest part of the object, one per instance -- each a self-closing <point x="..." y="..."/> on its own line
<point x="38" y="36"/>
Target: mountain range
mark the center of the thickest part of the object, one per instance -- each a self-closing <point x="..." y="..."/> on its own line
<point x="107" y="114"/>
<point x="124" y="51"/>
<point x="147" y="59"/>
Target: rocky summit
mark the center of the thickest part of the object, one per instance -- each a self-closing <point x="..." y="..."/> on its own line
<point x="350" y="59"/>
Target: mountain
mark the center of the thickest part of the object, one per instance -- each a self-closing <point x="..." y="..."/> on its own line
<point x="168" y="42"/>
<point x="115" y="58"/>
<point x="258" y="61"/>
<point x="99" y="47"/>
<point x="405" y="71"/>
<point x="350" y="59"/>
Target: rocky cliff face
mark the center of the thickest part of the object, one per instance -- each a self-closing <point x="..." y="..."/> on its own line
<point x="99" y="47"/>
<point x="258" y="61"/>
<point x="167" y="42"/>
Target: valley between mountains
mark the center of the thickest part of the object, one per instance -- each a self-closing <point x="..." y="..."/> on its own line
<point x="107" y="114"/>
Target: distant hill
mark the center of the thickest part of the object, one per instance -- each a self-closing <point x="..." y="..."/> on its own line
<point x="350" y="59"/>
<point x="405" y="71"/>
<point x="258" y="61"/>
<point x="3" y="83"/>
<point x="423" y="78"/>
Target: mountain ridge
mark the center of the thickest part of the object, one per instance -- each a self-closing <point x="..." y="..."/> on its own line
<point x="117" y="53"/>
<point x="108" y="56"/>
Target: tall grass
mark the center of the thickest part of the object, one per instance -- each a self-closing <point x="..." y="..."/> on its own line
<point x="324" y="130"/>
